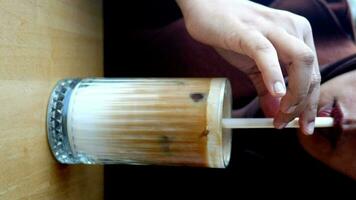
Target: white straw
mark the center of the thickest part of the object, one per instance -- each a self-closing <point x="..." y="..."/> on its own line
<point x="320" y="122"/>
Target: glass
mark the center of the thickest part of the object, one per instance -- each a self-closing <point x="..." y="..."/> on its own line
<point x="140" y="121"/>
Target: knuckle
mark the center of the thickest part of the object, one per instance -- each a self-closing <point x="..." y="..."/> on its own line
<point x="306" y="57"/>
<point x="313" y="107"/>
<point x="254" y="22"/>
<point x="252" y="44"/>
<point x="262" y="47"/>
<point x="304" y="21"/>
<point x="300" y="23"/>
<point x="305" y="24"/>
<point x="299" y="96"/>
<point x="302" y="95"/>
<point x="284" y="117"/>
<point x="289" y="117"/>
<point x="232" y="39"/>
<point x="314" y="83"/>
<point x="316" y="79"/>
<point x="285" y="15"/>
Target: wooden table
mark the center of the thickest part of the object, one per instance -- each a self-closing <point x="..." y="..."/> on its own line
<point x="42" y="41"/>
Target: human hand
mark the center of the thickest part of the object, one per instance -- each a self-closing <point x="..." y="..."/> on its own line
<point x="268" y="39"/>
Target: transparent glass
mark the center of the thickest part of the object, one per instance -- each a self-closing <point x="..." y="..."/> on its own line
<point x="138" y="121"/>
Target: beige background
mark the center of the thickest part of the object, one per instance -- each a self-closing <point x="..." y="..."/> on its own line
<point x="42" y="41"/>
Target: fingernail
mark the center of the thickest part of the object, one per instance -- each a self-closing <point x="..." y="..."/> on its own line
<point x="280" y="125"/>
<point x="310" y="128"/>
<point x="291" y="109"/>
<point x="279" y="88"/>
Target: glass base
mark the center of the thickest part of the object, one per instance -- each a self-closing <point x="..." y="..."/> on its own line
<point x="57" y="124"/>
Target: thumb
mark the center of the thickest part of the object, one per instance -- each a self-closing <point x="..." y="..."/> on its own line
<point x="269" y="104"/>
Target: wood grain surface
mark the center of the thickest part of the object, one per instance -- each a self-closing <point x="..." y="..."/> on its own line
<point x="42" y="41"/>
